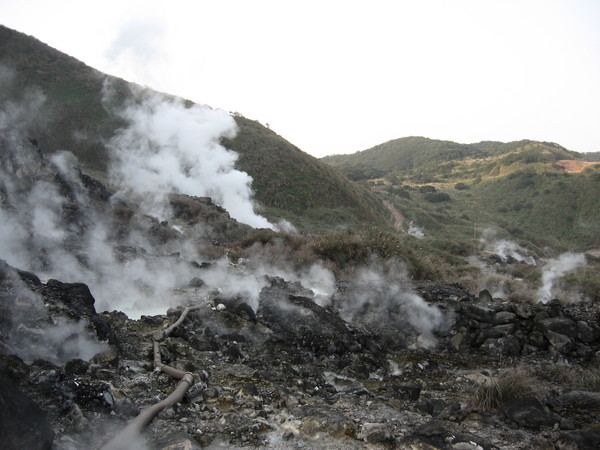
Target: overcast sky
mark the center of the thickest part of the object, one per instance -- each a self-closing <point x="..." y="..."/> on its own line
<point x="341" y="76"/>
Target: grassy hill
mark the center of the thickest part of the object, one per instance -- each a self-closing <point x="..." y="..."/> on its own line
<point x="289" y="183"/>
<point x="428" y="160"/>
<point x="299" y="187"/>
<point x="450" y="189"/>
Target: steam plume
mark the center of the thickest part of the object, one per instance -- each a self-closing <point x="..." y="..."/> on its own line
<point x="169" y="147"/>
<point x="556" y="269"/>
<point x="382" y="297"/>
<point x="504" y="248"/>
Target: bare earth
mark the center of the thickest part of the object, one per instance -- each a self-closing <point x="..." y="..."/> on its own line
<point x="398" y="218"/>
<point x="574" y="166"/>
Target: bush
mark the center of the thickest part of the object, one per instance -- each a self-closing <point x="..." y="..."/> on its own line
<point x="359" y="247"/>
<point x="497" y="391"/>
<point x="437" y="197"/>
<point x="461" y="186"/>
<point x="427" y="189"/>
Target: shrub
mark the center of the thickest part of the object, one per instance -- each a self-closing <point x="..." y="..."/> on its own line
<point x="358" y="248"/>
<point x="436" y="197"/>
<point x="497" y="391"/>
<point x="341" y="248"/>
<point x="427" y="189"/>
<point x="461" y="186"/>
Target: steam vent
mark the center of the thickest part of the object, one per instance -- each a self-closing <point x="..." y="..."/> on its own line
<point x="173" y="276"/>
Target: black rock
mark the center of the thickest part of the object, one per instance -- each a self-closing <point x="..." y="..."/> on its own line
<point x="23" y="425"/>
<point x="529" y="412"/>
<point x="584" y="439"/>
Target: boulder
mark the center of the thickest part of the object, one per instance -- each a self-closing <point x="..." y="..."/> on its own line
<point x="562" y="343"/>
<point x="524" y="310"/>
<point x="485" y="296"/>
<point x="580" y="399"/>
<point x="480" y="314"/>
<point x="584" y="439"/>
<point x="504" y="346"/>
<point x="586" y="333"/>
<point x="22" y="423"/>
<point x="529" y="412"/>
<point x="560" y="325"/>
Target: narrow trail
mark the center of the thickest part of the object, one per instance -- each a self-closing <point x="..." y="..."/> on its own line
<point x="398" y="218"/>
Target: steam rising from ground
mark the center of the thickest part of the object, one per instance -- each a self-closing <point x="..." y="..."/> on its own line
<point x="50" y="225"/>
<point x="509" y="252"/>
<point x="31" y="333"/>
<point x="504" y="248"/>
<point x="556" y="269"/>
<point x="415" y="230"/>
<point x="381" y="296"/>
<point x="170" y="147"/>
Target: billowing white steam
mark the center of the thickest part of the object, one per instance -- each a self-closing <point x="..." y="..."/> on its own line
<point x="31" y="333"/>
<point x="384" y="295"/>
<point x="554" y="270"/>
<point x="504" y="248"/>
<point x="170" y="147"/>
<point x="167" y="147"/>
<point x="415" y="230"/>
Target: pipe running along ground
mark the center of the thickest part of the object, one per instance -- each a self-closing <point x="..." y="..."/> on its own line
<point x="127" y="437"/>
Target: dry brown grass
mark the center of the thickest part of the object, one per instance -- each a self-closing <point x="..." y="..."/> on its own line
<point x="497" y="391"/>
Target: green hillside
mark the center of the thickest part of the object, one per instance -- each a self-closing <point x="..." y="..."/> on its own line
<point x="289" y="183"/>
<point x="299" y="187"/>
<point x="458" y="190"/>
<point x="428" y="160"/>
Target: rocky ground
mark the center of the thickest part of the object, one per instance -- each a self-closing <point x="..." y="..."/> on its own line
<point x="384" y="365"/>
<point x="295" y="375"/>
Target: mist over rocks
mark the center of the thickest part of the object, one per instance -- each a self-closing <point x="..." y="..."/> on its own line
<point x="294" y="357"/>
<point x="282" y="353"/>
<point x="298" y="374"/>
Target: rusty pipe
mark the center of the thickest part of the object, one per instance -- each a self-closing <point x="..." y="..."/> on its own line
<point x="127" y="437"/>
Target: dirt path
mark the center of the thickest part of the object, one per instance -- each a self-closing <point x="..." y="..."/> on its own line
<point x="398" y="218"/>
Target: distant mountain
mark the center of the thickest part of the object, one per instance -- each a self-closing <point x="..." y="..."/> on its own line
<point x="539" y="192"/>
<point x="288" y="183"/>
<point x="427" y="160"/>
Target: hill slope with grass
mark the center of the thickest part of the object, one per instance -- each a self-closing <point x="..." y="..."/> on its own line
<point x="68" y="96"/>
<point x="537" y="192"/>
<point x="427" y="160"/>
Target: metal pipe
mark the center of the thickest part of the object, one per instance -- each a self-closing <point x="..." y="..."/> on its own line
<point x="127" y="437"/>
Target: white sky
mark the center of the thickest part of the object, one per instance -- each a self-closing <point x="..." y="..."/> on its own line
<point x="341" y="76"/>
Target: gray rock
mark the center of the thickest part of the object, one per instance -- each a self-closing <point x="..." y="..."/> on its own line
<point x="504" y="346"/>
<point x="560" y="342"/>
<point x="524" y="310"/>
<point x="585" y="333"/>
<point x="581" y="399"/>
<point x="480" y="314"/>
<point x="529" y="412"/>
<point x="584" y="439"/>
<point x="504" y="317"/>
<point x="22" y="423"/>
<point x="560" y="325"/>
